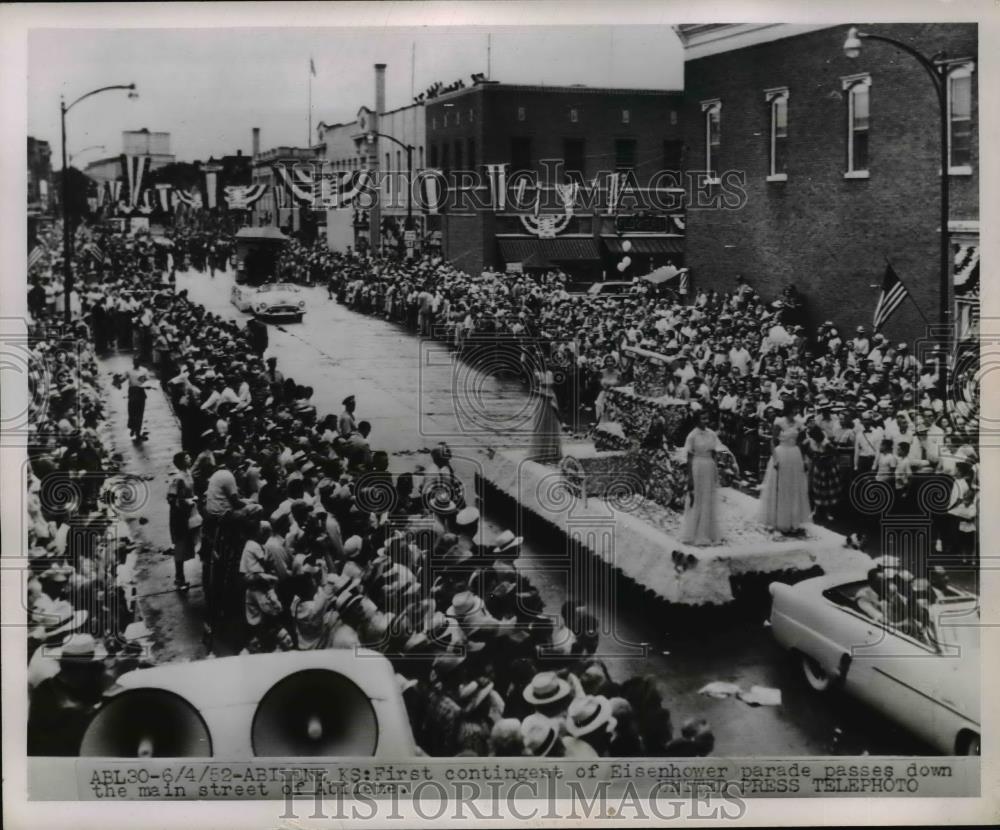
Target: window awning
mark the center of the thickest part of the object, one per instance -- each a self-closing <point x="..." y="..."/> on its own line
<point x="648" y="245"/>
<point x="549" y="250"/>
<point x="966" y="274"/>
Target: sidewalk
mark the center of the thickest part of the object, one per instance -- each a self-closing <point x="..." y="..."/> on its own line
<point x="174" y="619"/>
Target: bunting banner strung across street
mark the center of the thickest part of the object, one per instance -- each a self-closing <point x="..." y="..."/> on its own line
<point x="297" y="182"/>
<point x="135" y="170"/>
<point x="163" y="194"/>
<point x="243" y="197"/>
<point x="190" y="198"/>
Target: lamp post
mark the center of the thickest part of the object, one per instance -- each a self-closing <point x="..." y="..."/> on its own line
<point x="67" y="245"/>
<point x="370" y="138"/>
<point x="937" y="70"/>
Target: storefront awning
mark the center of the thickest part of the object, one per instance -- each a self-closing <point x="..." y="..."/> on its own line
<point x="648" y="245"/>
<point x="549" y="250"/>
<point x="966" y="274"/>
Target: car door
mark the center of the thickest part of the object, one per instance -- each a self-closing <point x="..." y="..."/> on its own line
<point x="895" y="674"/>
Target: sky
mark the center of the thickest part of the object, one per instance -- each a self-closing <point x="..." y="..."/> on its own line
<point x="209" y="87"/>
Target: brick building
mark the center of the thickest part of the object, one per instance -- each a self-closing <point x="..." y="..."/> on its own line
<point x="841" y="159"/>
<point x="557" y="136"/>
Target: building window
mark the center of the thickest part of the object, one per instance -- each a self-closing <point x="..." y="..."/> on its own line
<point x="626" y="117"/>
<point x="458" y="118"/>
<point x="574" y="159"/>
<point x="434" y="123"/>
<point x="458" y="154"/>
<point x="778" y="135"/>
<point x="672" y="155"/>
<point x="434" y="156"/>
<point x="445" y="165"/>
<point x="624" y="154"/>
<point x="574" y="116"/>
<point x="521" y="114"/>
<point x="713" y="136"/>
<point x="857" y="89"/>
<point x="420" y="152"/>
<point x="673" y="118"/>
<point x="472" y="153"/>
<point x="960" y="119"/>
<point x="520" y="154"/>
<point x="472" y="115"/>
<point x="446" y="119"/>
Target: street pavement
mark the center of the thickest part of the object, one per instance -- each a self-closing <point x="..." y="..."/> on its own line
<point x="174" y="619"/>
<point x="415" y="394"/>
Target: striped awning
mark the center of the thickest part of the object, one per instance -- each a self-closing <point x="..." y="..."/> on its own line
<point x="549" y="250"/>
<point x="966" y="274"/>
<point x="648" y="245"/>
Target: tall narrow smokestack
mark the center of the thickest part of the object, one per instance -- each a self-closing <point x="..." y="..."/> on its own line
<point x="379" y="88"/>
<point x="256" y="142"/>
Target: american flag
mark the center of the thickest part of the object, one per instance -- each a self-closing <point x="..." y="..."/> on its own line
<point x="35" y="256"/>
<point x="92" y="249"/>
<point x="892" y="296"/>
<point x="684" y="284"/>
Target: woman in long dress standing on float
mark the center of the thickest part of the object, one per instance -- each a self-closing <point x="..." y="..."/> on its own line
<point x="546" y="442"/>
<point x="784" y="495"/>
<point x="700" y="525"/>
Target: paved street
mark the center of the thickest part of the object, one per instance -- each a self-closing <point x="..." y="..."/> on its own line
<point x="406" y="388"/>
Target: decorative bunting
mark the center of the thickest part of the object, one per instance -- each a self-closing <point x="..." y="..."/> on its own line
<point x="243" y="197"/>
<point x="163" y="196"/>
<point x="135" y="168"/>
<point x="497" y="176"/>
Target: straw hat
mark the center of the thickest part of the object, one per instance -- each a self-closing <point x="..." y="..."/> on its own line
<point x="545" y="688"/>
<point x="588" y="714"/>
<point x="539" y="734"/>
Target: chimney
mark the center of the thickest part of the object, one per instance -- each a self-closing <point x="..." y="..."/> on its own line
<point x="256" y="142"/>
<point x="379" y="88"/>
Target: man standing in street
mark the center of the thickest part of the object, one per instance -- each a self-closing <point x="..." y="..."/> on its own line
<point x="138" y="380"/>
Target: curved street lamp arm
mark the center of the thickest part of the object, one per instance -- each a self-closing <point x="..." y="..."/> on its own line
<point x="937" y="76"/>
<point x="392" y="139"/>
<point x="95" y="91"/>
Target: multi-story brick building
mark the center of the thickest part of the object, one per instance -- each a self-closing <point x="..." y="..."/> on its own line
<point x="557" y="136"/>
<point x="839" y="161"/>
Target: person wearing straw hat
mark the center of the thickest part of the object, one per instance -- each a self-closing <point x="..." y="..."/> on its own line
<point x="61" y="707"/>
<point x="549" y="693"/>
<point x="589" y="719"/>
<point x="540" y="736"/>
<point x="438" y="735"/>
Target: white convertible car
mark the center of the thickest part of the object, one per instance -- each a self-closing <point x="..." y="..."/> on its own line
<point x="926" y="682"/>
<point x="278" y="300"/>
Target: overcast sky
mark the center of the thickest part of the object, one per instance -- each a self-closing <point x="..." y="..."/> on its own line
<point x="209" y="87"/>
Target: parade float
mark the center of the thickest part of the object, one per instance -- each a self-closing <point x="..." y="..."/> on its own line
<point x="620" y="496"/>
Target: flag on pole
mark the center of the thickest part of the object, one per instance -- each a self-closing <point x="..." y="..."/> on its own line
<point x="312" y="67"/>
<point x="892" y="296"/>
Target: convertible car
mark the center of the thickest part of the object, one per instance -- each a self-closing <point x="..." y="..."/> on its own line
<point x="279" y="300"/>
<point x="922" y="673"/>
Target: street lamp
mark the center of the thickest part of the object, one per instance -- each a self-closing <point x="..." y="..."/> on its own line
<point x="67" y="247"/>
<point x="84" y="150"/>
<point x="370" y="139"/>
<point x="937" y="69"/>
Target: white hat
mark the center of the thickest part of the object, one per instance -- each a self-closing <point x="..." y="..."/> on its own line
<point x="467" y="516"/>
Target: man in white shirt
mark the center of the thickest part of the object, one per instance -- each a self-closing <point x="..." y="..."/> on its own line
<point x="740" y="358"/>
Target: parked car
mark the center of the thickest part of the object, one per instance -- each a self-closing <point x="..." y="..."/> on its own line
<point x="922" y="674"/>
<point x="279" y="300"/>
<point x="612" y="288"/>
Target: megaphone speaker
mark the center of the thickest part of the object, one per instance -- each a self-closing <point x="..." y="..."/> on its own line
<point x="147" y="723"/>
<point x="315" y="712"/>
<point x="329" y="703"/>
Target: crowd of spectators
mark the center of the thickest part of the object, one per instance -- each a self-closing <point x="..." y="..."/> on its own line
<point x="307" y="540"/>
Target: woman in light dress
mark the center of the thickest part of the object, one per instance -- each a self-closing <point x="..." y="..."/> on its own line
<point x="784" y="495"/>
<point x="546" y="441"/>
<point x="700" y="525"/>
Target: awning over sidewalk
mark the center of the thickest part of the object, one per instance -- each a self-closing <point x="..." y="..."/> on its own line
<point x="549" y="250"/>
<point x="647" y="245"/>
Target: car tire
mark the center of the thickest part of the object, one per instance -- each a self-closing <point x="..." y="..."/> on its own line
<point x="968" y="743"/>
<point x="816" y="676"/>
